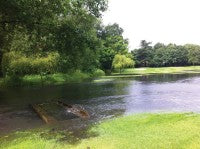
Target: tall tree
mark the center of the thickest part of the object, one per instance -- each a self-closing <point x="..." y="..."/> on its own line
<point x="113" y="43"/>
<point x="66" y="26"/>
<point x="193" y="54"/>
<point x="143" y="55"/>
<point x="161" y="55"/>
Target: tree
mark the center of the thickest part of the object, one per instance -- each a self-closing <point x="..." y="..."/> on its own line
<point x="161" y="55"/>
<point x="193" y="54"/>
<point x="113" y="43"/>
<point x="111" y="31"/>
<point x="94" y="7"/>
<point x="143" y="55"/>
<point x="76" y="39"/>
<point x="175" y="55"/>
<point x="121" y="61"/>
<point x="106" y="58"/>
<point x="37" y="27"/>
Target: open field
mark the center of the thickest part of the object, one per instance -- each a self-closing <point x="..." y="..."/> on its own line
<point x="170" y="131"/>
<point x="161" y="70"/>
<point x="130" y="72"/>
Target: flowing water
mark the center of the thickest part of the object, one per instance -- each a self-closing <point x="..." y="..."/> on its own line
<point x="112" y="98"/>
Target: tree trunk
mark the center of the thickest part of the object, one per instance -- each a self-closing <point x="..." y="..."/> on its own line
<point x="43" y="115"/>
<point x="75" y="110"/>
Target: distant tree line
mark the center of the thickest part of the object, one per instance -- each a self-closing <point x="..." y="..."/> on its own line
<point x="161" y="55"/>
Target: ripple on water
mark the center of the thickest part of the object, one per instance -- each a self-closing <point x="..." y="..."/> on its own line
<point x="158" y="93"/>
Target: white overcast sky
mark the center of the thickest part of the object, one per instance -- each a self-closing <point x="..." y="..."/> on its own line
<point x="166" y="21"/>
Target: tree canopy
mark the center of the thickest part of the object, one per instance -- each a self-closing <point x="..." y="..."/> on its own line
<point x="35" y="28"/>
<point x="73" y="32"/>
<point x="161" y="55"/>
<point x="113" y="43"/>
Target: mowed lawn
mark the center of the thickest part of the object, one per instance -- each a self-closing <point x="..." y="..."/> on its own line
<point x="160" y="70"/>
<point x="143" y="131"/>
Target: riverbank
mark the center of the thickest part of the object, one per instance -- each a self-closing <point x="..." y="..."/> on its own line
<point x="77" y="77"/>
<point x="136" y="131"/>
<point x="52" y="79"/>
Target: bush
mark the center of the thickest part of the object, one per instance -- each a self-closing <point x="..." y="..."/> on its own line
<point x="11" y="81"/>
<point x="78" y="76"/>
<point x="98" y="73"/>
<point x="48" y="64"/>
<point x="17" y="64"/>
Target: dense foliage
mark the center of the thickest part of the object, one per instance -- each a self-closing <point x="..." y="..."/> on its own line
<point x="161" y="55"/>
<point x="36" y="28"/>
<point x="18" y="64"/>
<point x="113" y="43"/>
<point x="65" y="36"/>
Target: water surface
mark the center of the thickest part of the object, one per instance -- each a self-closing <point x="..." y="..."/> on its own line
<point x="122" y="96"/>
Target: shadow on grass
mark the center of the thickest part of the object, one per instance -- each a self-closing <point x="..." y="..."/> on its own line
<point x="71" y="137"/>
<point x="51" y="135"/>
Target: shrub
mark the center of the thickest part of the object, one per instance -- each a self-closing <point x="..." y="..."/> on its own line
<point x="48" y="64"/>
<point x="98" y="73"/>
<point x="17" y="64"/>
<point x="78" y="76"/>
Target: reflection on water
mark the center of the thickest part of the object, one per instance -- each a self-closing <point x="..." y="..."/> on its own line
<point x="156" y="93"/>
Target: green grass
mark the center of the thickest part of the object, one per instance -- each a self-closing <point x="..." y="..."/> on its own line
<point x="152" y="131"/>
<point x="101" y="80"/>
<point x="28" y="140"/>
<point x="54" y="79"/>
<point x="161" y="70"/>
<point x="1" y="80"/>
<point x="76" y="77"/>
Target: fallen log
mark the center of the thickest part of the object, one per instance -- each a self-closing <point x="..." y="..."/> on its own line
<point x="75" y="110"/>
<point x="43" y="115"/>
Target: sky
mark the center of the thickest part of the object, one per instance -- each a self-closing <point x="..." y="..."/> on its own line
<point x="165" y="21"/>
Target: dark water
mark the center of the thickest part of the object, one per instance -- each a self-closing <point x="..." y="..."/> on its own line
<point x="158" y="93"/>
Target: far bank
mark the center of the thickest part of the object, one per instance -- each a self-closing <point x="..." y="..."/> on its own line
<point x="77" y="77"/>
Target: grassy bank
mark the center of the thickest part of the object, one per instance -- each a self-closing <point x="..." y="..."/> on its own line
<point x="53" y="79"/>
<point x="76" y="77"/>
<point x="161" y="70"/>
<point x="170" y="131"/>
<point x="1" y="81"/>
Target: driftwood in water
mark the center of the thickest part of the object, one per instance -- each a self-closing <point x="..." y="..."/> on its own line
<point x="75" y="110"/>
<point x="43" y="115"/>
